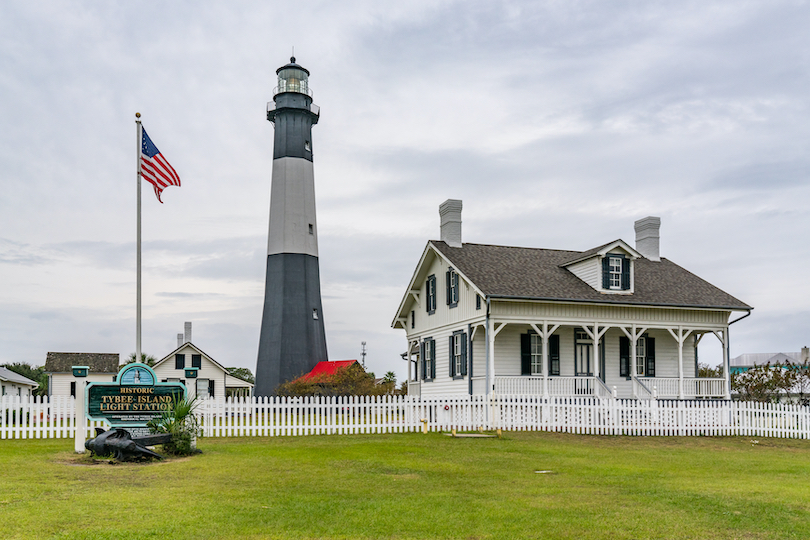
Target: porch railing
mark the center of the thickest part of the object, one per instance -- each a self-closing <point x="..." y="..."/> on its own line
<point x="602" y="389"/>
<point x="576" y="386"/>
<point x="519" y="385"/>
<point x="643" y="388"/>
<point x="640" y="390"/>
<point x="414" y="388"/>
<point x="667" y="387"/>
<point x="705" y="388"/>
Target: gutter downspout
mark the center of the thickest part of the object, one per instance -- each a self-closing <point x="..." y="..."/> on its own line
<point x="727" y="367"/>
<point x="470" y="358"/>
<point x="488" y="388"/>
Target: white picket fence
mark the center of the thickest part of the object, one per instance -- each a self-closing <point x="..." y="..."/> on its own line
<point x="28" y="418"/>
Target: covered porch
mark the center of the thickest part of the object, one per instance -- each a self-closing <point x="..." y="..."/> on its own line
<point x="557" y="358"/>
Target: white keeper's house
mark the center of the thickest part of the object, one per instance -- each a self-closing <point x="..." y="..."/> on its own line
<point x="616" y="320"/>
<point x="212" y="378"/>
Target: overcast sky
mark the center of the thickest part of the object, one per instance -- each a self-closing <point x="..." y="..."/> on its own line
<point x="557" y="123"/>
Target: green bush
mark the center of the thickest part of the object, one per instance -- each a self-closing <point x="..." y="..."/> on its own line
<point x="181" y="423"/>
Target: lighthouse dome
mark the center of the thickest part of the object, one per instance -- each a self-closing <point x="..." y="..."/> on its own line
<point x="293" y="78"/>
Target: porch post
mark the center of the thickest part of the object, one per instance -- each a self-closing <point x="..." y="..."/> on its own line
<point x="597" y="366"/>
<point x="410" y="355"/>
<point x="633" y="340"/>
<point x="545" y="358"/>
<point x="680" y="363"/>
<point x="490" y="356"/>
<point x="726" y="366"/>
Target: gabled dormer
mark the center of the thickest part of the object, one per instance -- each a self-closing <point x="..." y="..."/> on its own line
<point x="609" y="268"/>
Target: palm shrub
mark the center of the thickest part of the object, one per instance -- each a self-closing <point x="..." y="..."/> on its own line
<point x="181" y="423"/>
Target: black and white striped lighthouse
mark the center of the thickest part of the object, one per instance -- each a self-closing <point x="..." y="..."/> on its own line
<point x="292" y="337"/>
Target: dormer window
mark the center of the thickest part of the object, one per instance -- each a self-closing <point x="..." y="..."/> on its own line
<point x="615" y="267"/>
<point x="615" y="272"/>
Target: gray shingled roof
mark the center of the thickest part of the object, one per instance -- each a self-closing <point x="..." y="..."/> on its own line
<point x="11" y="376"/>
<point x="514" y="272"/>
<point x="61" y="362"/>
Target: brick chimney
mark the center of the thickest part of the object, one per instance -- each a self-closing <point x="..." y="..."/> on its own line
<point x="450" y="214"/>
<point x="648" y="238"/>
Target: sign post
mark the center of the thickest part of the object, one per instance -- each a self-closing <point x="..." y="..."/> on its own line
<point x="80" y="374"/>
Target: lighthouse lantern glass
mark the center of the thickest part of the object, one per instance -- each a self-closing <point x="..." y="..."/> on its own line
<point x="293" y="80"/>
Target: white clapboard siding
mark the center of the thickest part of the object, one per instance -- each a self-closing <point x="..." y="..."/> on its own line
<point x="42" y="417"/>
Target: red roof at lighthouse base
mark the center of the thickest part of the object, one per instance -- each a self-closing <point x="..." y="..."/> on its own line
<point x="328" y="368"/>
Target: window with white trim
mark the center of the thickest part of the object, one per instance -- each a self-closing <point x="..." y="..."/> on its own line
<point x="537" y="354"/>
<point x="430" y="294"/>
<point x="429" y="361"/>
<point x="458" y="357"/>
<point x="452" y="288"/>
<point x="641" y="355"/>
<point x="615" y="272"/>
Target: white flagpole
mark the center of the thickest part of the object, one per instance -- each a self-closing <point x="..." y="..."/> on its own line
<point x="138" y="242"/>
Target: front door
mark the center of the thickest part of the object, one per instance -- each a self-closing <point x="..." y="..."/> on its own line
<point x="584" y="353"/>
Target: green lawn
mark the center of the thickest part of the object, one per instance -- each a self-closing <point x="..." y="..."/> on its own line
<point x="416" y="486"/>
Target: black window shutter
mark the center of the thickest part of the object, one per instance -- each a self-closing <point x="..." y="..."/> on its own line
<point x="625" y="274"/>
<point x="554" y="355"/>
<point x="452" y="360"/>
<point x="449" y="288"/>
<point x="422" y="362"/>
<point x="432" y="358"/>
<point x="606" y="272"/>
<point x="73" y="388"/>
<point x="456" y="289"/>
<point x="624" y="357"/>
<point x="463" y="354"/>
<point x="525" y="354"/>
<point x="210" y="387"/>
<point x="650" y="357"/>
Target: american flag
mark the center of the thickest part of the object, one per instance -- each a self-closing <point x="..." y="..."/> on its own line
<point x="154" y="167"/>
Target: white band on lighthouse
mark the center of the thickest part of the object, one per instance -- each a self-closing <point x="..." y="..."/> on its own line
<point x="293" y="227"/>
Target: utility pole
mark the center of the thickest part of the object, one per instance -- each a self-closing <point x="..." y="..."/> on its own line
<point x="363" y="353"/>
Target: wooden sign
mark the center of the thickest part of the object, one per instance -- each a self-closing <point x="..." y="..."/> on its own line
<point x="134" y="399"/>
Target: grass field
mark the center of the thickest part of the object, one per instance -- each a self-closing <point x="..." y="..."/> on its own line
<point x="415" y="486"/>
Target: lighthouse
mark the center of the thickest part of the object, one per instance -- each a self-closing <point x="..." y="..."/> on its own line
<point x="292" y="336"/>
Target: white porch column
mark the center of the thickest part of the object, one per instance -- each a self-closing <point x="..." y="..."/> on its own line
<point x="597" y="368"/>
<point x="595" y="336"/>
<point x="544" y="337"/>
<point x="408" y="358"/>
<point x="680" y="363"/>
<point x="726" y="363"/>
<point x="494" y="331"/>
<point x="633" y="340"/>
<point x="490" y="357"/>
<point x="680" y="337"/>
<point x="544" y="334"/>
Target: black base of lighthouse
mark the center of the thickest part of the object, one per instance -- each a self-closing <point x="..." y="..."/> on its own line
<point x="292" y="337"/>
